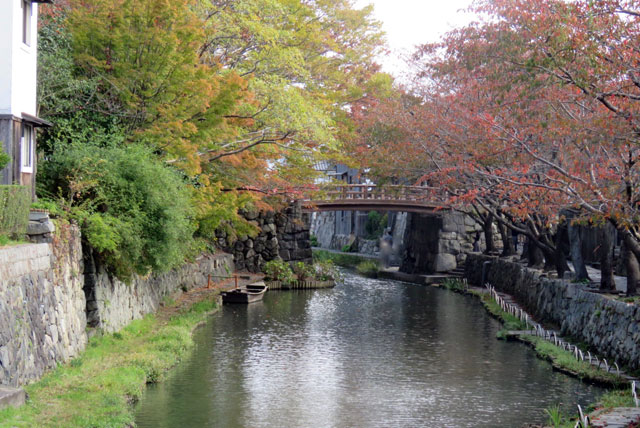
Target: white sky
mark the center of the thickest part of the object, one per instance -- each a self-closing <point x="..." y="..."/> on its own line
<point x="408" y="23"/>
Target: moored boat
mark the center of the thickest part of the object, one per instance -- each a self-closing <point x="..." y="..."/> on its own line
<point x="248" y="294"/>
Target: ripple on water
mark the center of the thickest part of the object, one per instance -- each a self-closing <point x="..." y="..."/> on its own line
<point x="368" y="353"/>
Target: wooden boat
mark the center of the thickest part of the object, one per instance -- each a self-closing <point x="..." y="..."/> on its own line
<point x="248" y="294"/>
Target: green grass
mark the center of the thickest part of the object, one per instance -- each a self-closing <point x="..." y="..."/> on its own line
<point x="617" y="398"/>
<point x="454" y="284"/>
<point x="369" y="268"/>
<point x="97" y="388"/>
<point x="344" y="260"/>
<point x="509" y="321"/>
<point x="6" y="241"/>
<point x="566" y="361"/>
<point x="560" y="358"/>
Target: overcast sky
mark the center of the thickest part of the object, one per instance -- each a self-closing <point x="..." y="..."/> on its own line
<point x="413" y="22"/>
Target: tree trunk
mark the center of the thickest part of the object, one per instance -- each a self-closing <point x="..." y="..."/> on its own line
<point x="633" y="272"/>
<point x="535" y="255"/>
<point x="549" y="260"/>
<point x="561" y="250"/>
<point x="508" y="249"/>
<point x="487" y="227"/>
<point x="605" y="252"/>
<point x="575" y="249"/>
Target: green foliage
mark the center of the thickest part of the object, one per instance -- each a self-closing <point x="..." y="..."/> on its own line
<point x="617" y="398"/>
<point x="304" y="271"/>
<point x="4" y="158"/>
<point x="14" y="210"/>
<point x="66" y="94"/>
<point x="368" y="268"/>
<point x="344" y="260"/>
<point x="52" y="207"/>
<point x="454" y="285"/>
<point x="347" y="248"/>
<point x="306" y="61"/>
<point x="314" y="241"/>
<point x="132" y="209"/>
<point x="566" y="361"/>
<point x="278" y="270"/>
<point x="555" y="417"/>
<point x="510" y="322"/>
<point x="326" y="271"/>
<point x="375" y="225"/>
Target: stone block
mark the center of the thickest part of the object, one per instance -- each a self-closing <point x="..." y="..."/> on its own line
<point x="272" y="243"/>
<point x="38" y="228"/>
<point x="285" y="255"/>
<point x="250" y="214"/>
<point x="14" y="397"/>
<point x="269" y="228"/>
<point x="38" y="216"/>
<point x="444" y="262"/>
<point x="448" y="235"/>
<point x="450" y="222"/>
<point x="450" y="246"/>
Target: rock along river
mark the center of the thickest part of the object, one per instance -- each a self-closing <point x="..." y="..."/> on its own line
<point x="369" y="353"/>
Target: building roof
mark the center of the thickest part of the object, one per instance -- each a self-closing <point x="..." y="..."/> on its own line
<point x="36" y="121"/>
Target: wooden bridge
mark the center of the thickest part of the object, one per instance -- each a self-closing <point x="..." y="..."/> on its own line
<point x="370" y="197"/>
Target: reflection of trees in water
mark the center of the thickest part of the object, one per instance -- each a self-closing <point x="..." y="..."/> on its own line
<point x="367" y="353"/>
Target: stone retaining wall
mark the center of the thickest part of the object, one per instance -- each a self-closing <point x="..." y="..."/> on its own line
<point x="283" y="234"/>
<point x="42" y="306"/>
<point x="112" y="304"/>
<point x="43" y="310"/>
<point x="610" y="327"/>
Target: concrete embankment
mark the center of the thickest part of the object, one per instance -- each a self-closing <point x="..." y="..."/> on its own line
<point x="610" y="327"/>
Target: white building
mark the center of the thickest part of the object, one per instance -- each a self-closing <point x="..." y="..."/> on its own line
<point x="18" y="77"/>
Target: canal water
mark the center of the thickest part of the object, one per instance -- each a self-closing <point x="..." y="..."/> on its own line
<point x="368" y="353"/>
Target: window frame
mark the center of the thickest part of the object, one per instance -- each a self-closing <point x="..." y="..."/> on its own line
<point x="27" y="148"/>
<point x="27" y="18"/>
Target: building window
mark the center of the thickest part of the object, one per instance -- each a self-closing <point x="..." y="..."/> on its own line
<point x="26" y="151"/>
<point x="26" y="22"/>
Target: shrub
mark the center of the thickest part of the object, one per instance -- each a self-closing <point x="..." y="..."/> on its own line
<point x="134" y="211"/>
<point x="326" y="271"/>
<point x="314" y="241"/>
<point x="4" y="159"/>
<point x="278" y="270"/>
<point x="304" y="271"/>
<point x="14" y="210"/>
<point x="368" y="268"/>
<point x="344" y="260"/>
<point x="52" y="207"/>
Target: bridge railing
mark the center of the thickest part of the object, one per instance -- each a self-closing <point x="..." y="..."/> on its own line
<point x="375" y="192"/>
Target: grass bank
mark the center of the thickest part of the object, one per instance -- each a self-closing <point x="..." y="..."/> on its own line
<point x="98" y="388"/>
<point x="365" y="266"/>
<point x="561" y="359"/>
<point x="564" y="361"/>
<point x="341" y="259"/>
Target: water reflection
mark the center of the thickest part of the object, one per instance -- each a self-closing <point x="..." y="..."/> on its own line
<point x="367" y="354"/>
